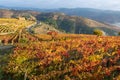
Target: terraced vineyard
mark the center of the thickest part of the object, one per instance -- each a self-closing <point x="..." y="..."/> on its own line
<point x="8" y="26"/>
<point x="11" y="29"/>
<point x="55" y="56"/>
<point x="68" y="57"/>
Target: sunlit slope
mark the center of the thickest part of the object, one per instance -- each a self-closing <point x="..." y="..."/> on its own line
<point x="68" y="56"/>
<point x="12" y="25"/>
<point x="11" y="29"/>
<point x="43" y="28"/>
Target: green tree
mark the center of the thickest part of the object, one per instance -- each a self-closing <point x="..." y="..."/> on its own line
<point x="119" y="33"/>
<point x="98" y="32"/>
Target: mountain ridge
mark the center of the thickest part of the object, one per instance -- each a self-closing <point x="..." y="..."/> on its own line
<point x="107" y="16"/>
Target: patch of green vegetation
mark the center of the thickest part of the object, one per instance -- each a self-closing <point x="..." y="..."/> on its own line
<point x="23" y="40"/>
<point x="109" y="31"/>
<point x="98" y="32"/>
<point x="67" y="25"/>
<point x="119" y="33"/>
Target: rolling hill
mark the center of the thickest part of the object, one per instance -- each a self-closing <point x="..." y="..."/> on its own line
<point x="62" y="22"/>
<point x="28" y="56"/>
<point x="75" y="24"/>
<point x="7" y="13"/>
<point x="106" y="16"/>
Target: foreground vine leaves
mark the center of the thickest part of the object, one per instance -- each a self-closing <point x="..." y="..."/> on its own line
<point x="68" y="57"/>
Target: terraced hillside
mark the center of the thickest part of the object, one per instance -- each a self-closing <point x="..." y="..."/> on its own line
<point x="8" y="26"/>
<point x="55" y="56"/>
<point x="11" y="29"/>
<point x="66" y="23"/>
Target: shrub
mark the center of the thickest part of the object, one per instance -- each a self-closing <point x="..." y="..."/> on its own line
<point x="53" y="34"/>
<point x="23" y="40"/>
<point x="119" y="33"/>
<point x="98" y="32"/>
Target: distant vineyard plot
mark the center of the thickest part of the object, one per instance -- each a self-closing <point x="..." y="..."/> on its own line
<point x="8" y="26"/>
<point x="11" y="29"/>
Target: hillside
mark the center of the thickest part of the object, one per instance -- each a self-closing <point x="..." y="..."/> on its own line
<point x="62" y="22"/>
<point x="106" y="16"/>
<point x="43" y="28"/>
<point x="7" y="13"/>
<point x="75" y="24"/>
<point x="69" y="56"/>
<point x="54" y="56"/>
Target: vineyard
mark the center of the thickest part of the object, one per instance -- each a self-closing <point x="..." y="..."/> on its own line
<point x="66" y="57"/>
<point x="54" y="56"/>
<point x="11" y="29"/>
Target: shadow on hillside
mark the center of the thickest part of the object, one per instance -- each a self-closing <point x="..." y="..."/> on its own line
<point x="6" y="49"/>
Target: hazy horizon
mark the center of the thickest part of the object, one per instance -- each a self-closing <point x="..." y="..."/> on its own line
<point x="46" y="4"/>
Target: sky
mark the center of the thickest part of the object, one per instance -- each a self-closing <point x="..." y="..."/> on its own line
<point x="49" y="4"/>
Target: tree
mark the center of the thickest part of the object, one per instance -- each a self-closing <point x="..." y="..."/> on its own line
<point x="98" y="32"/>
<point x="119" y="33"/>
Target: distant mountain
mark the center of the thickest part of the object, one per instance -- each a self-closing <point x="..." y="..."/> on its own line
<point x="106" y="16"/>
<point x="2" y="6"/>
<point x="21" y="8"/>
<point x="7" y="13"/>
